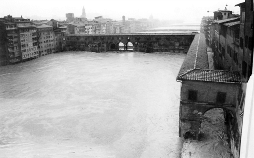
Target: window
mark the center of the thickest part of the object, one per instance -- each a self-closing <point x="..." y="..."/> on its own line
<point x="241" y="42"/>
<point x="221" y="97"/>
<point x="244" y="69"/>
<point x="192" y="95"/>
<point x="229" y="51"/>
<point x="250" y="45"/>
<point x="223" y="51"/>
<point x="251" y="6"/>
<point x="249" y="71"/>
<point x="246" y="41"/>
<point x="235" y="57"/>
<point x="243" y="17"/>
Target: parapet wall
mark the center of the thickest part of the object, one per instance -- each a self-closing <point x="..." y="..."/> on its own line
<point x="141" y="42"/>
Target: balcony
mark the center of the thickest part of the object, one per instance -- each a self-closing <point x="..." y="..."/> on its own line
<point x="11" y="28"/>
<point x="12" y="35"/>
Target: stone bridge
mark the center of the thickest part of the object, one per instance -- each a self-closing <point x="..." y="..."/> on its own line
<point x="142" y="42"/>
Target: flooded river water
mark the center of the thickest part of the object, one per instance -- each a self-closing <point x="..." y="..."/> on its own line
<point x="87" y="105"/>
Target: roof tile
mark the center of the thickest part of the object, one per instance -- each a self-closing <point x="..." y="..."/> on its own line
<point x="211" y="76"/>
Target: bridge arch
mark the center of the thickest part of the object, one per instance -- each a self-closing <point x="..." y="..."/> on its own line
<point x="112" y="46"/>
<point x="141" y="42"/>
<point x="212" y="118"/>
<point x="130" y="46"/>
<point x="197" y="126"/>
<point x="121" y="46"/>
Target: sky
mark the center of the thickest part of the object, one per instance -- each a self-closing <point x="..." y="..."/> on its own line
<point x="184" y="10"/>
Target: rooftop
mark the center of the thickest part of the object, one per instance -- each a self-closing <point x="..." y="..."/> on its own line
<point x="63" y="27"/>
<point x="27" y="26"/>
<point x="241" y="4"/>
<point x="229" y="24"/>
<point x="44" y="26"/>
<point x="133" y="34"/>
<point x="196" y="57"/>
<point x="196" y="67"/>
<point x="225" y="11"/>
<point x="76" y="24"/>
<point x="227" y="20"/>
<point x="40" y="22"/>
<point x="211" y="76"/>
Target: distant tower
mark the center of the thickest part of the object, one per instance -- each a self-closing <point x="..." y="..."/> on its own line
<point x="123" y="19"/>
<point x="69" y="17"/>
<point x="83" y="13"/>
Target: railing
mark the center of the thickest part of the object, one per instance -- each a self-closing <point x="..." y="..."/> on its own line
<point x="12" y="34"/>
<point x="11" y="28"/>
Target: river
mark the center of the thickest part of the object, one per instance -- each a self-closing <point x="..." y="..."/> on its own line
<point x="84" y="104"/>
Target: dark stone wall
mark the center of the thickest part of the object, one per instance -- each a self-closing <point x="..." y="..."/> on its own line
<point x="3" y="52"/>
<point x="142" y="43"/>
<point x="192" y="112"/>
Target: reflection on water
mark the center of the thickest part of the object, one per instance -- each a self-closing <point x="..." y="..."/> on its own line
<point x="82" y="104"/>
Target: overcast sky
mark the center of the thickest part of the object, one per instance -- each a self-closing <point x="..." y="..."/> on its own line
<point x="185" y="10"/>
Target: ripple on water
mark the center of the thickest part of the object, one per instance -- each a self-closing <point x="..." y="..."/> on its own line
<point x="83" y="104"/>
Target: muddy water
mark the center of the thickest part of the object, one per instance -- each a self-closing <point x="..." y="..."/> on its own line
<point x="83" y="104"/>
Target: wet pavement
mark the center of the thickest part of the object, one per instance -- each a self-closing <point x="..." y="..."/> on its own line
<point x="83" y="104"/>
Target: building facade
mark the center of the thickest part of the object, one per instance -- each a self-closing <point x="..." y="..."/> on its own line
<point x="60" y="39"/>
<point x="28" y="41"/>
<point x="18" y="40"/>
<point x="69" y="17"/>
<point x="46" y="40"/>
<point x="232" y="43"/>
<point x="246" y="38"/>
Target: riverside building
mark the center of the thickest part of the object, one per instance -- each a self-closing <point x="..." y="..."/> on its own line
<point x="231" y="39"/>
<point x="18" y="40"/>
<point x="46" y="42"/>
